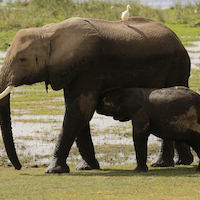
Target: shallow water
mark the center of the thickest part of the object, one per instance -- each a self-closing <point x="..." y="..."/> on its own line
<point x="38" y="139"/>
<point x="2" y="54"/>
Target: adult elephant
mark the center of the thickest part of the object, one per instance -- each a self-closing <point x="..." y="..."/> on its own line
<point x="85" y="57"/>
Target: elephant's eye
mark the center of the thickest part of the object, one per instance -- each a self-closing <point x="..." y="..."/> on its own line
<point x="22" y="59"/>
<point x="36" y="59"/>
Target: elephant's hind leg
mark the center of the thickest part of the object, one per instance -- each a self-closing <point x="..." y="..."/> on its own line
<point x="198" y="154"/>
<point x="184" y="155"/>
<point x="195" y="144"/>
<point x="165" y="156"/>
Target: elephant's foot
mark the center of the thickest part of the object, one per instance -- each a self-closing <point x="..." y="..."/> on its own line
<point x="183" y="154"/>
<point x="165" y="157"/>
<point x="83" y="165"/>
<point x="141" y="169"/>
<point x="186" y="161"/>
<point x="54" y="168"/>
<point x="162" y="163"/>
<point x="198" y="168"/>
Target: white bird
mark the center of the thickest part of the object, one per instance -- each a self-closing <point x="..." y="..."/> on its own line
<point x="125" y="14"/>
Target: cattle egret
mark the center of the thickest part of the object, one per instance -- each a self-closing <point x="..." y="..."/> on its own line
<point x="125" y="14"/>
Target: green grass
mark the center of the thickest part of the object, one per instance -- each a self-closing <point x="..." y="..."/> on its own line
<point x="112" y="182"/>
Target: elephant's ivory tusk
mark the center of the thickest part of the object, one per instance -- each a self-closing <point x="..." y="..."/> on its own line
<point x="6" y="91"/>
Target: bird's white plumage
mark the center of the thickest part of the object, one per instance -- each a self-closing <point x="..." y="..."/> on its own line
<point x="125" y="14"/>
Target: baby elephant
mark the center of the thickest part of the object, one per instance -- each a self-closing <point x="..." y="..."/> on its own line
<point x="169" y="113"/>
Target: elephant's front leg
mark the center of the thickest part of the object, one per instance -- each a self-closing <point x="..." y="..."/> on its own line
<point x="64" y="143"/>
<point x="79" y="111"/>
<point x="86" y="149"/>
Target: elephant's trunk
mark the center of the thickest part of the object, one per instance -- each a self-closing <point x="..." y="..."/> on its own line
<point x="6" y="130"/>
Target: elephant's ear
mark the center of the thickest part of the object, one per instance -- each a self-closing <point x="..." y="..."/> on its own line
<point x="72" y="43"/>
<point x="134" y="98"/>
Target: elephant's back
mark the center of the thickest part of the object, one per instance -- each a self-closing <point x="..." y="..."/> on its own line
<point x="135" y="20"/>
<point x="137" y="35"/>
<point x="174" y="97"/>
<point x="133" y="28"/>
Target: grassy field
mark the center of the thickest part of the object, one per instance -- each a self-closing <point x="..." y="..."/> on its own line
<point x="112" y="182"/>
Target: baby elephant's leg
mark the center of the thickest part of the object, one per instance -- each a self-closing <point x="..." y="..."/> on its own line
<point x="140" y="138"/>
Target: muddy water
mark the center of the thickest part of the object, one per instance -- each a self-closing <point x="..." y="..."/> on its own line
<point x="37" y="140"/>
<point x="2" y="54"/>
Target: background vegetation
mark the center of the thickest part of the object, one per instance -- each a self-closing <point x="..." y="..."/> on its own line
<point x="36" y="13"/>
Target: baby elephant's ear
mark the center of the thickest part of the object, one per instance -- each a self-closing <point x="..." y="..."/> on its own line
<point x="133" y="100"/>
<point x="130" y="101"/>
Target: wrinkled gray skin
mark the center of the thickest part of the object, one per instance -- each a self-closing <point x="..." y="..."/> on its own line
<point x="169" y="113"/>
<point x="85" y="57"/>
